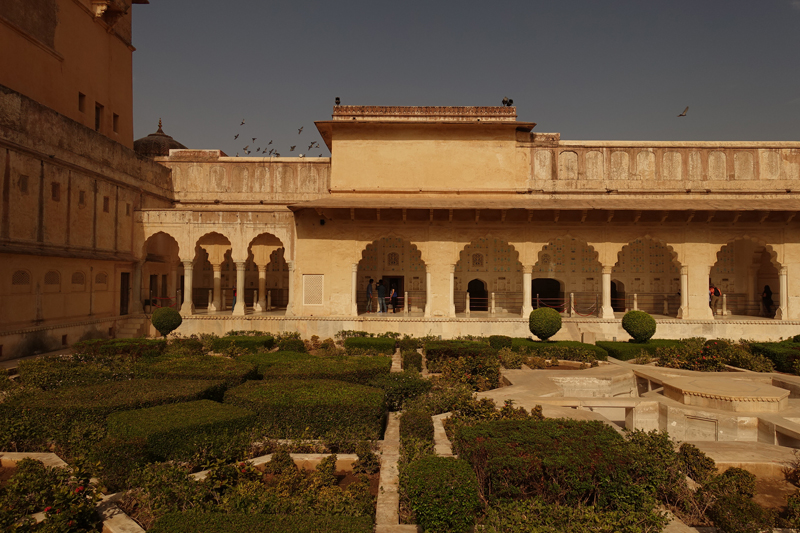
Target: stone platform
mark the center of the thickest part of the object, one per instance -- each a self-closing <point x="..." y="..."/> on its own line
<point x="726" y="394"/>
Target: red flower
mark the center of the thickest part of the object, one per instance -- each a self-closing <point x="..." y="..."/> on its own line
<point x="79" y="489"/>
<point x="47" y="509"/>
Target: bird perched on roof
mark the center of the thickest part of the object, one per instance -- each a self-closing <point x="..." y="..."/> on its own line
<point x="301" y="155"/>
<point x="277" y="154"/>
<point x="338" y="101"/>
<point x="235" y="136"/>
<point x="292" y="148"/>
<point x="300" y="130"/>
<point x="508" y="102"/>
<point x="684" y="112"/>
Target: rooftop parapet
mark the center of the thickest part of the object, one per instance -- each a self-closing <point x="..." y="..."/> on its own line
<point x="425" y="113"/>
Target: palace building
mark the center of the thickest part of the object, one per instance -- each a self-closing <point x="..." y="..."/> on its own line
<point x="468" y="213"/>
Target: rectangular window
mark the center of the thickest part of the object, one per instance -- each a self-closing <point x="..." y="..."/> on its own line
<point x="81" y="197"/>
<point x="106" y="203"/>
<point x="22" y="182"/>
<point x="98" y="116"/>
<point x="82" y="102"/>
<point x="115" y="123"/>
<point x="55" y="191"/>
<point x="128" y="209"/>
<point x="313" y="289"/>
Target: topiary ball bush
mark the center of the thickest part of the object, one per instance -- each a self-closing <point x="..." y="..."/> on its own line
<point x="639" y="325"/>
<point x="544" y="322"/>
<point x="166" y="320"/>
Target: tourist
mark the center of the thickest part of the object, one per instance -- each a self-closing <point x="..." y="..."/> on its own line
<point x="713" y="296"/>
<point x="766" y="300"/>
<point x="369" y="296"/>
<point x="393" y="298"/>
<point x="233" y="306"/>
<point x="381" y="297"/>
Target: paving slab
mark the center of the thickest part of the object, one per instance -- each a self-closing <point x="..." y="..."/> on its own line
<point x="763" y="460"/>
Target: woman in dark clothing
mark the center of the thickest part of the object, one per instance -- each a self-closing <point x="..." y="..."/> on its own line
<point x="766" y="300"/>
<point x="393" y="298"/>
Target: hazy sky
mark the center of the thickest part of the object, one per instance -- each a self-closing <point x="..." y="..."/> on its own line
<point x="590" y="69"/>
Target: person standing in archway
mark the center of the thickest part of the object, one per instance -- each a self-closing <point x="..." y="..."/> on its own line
<point x="393" y="297"/>
<point x="766" y="300"/>
<point x="381" y="297"/>
<point x="369" y="296"/>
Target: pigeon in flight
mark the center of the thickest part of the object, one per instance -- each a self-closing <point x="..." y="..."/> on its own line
<point x="246" y="147"/>
<point x="292" y="148"/>
<point x="235" y="136"/>
<point x="242" y="124"/>
<point x="300" y="130"/>
<point x="684" y="112"/>
<point x="254" y="139"/>
<point x="270" y="142"/>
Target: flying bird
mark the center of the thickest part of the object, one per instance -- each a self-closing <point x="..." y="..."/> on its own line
<point x="235" y="136"/>
<point x="246" y="147"/>
<point x="270" y="151"/>
<point x="684" y="112"/>
<point x="270" y="142"/>
<point x="292" y="148"/>
<point x="242" y="124"/>
<point x="310" y="146"/>
<point x="254" y="139"/>
<point x="300" y="130"/>
<point x="258" y="149"/>
<point x="277" y="154"/>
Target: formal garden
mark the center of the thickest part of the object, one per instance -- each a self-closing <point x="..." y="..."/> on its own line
<point x="207" y="434"/>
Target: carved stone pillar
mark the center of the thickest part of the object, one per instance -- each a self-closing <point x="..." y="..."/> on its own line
<point x="607" y="311"/>
<point x="452" y="290"/>
<point x="261" y="304"/>
<point x="290" y="303"/>
<point x="354" y="291"/>
<point x="428" y="295"/>
<point x="216" y="304"/>
<point x="188" y="303"/>
<point x="782" y="313"/>
<point x="239" y="308"/>
<point x="136" y="289"/>
<point x="684" y="292"/>
<point x="527" y="306"/>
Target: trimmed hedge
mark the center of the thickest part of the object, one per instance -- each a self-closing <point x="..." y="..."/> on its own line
<point x="175" y="432"/>
<point x="401" y="387"/>
<point x="265" y="360"/>
<point x="436" y="351"/>
<point x="443" y="493"/>
<point x="625" y="351"/>
<point x="369" y="344"/>
<point x="251" y="343"/>
<point x="208" y="367"/>
<point x="639" y="325"/>
<point x="54" y="371"/>
<point x="353" y="369"/>
<point x="500" y="341"/>
<point x="291" y="344"/>
<point x="205" y="522"/>
<point x="412" y="360"/>
<point x="135" y="348"/>
<point x="416" y="424"/>
<point x="291" y="408"/>
<point x="530" y="346"/>
<point x="782" y="354"/>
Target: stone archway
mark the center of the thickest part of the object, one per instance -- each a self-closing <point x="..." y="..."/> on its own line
<point x="573" y="264"/>
<point x="399" y="263"/>
<point x="266" y="274"/>
<point x="651" y="275"/>
<point x="496" y="263"/>
<point x="212" y="255"/>
<point x="159" y="279"/>
<point x="746" y="270"/>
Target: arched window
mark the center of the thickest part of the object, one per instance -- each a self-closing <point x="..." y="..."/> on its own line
<point x="101" y="278"/>
<point x="393" y="259"/>
<point x="477" y="260"/>
<point x="78" y="278"/>
<point x="52" y="278"/>
<point x="21" y="277"/>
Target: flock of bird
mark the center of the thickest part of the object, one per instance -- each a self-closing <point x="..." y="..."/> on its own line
<point x="272" y="152"/>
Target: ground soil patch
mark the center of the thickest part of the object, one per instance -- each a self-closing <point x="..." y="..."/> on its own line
<point x="6" y="472"/>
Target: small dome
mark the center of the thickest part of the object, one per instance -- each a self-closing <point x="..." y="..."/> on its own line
<point x="156" y="144"/>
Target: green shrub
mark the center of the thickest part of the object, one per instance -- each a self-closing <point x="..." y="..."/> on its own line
<point x="249" y="343"/>
<point x="537" y="516"/>
<point x="482" y="372"/>
<point x="796" y="339"/>
<point x="117" y="459"/>
<point x="782" y="354"/>
<point x="510" y="359"/>
<point x="135" y="348"/>
<point x="290" y="344"/>
<point x="437" y="351"/>
<point x="639" y="325"/>
<point x="412" y="360"/>
<point x="175" y="432"/>
<point x="359" y="345"/>
<point x="626" y="351"/>
<point x="688" y="358"/>
<point x="544" y="322"/>
<point x="166" y="320"/>
<point x="204" y="367"/>
<point x="401" y="387"/>
<point x="568" y="353"/>
<point x="735" y="481"/>
<point x="734" y="513"/>
<point x="500" y="341"/>
<point x="562" y="461"/>
<point x="793" y="509"/>
<point x="443" y="397"/>
<point x="534" y="347"/>
<point x="354" y="369"/>
<point x="266" y="360"/>
<point x="292" y="408"/>
<point x="416" y="424"/>
<point x="207" y="522"/>
<point x="698" y="465"/>
<point x="408" y="343"/>
<point x="58" y="371"/>
<point x="443" y="493"/>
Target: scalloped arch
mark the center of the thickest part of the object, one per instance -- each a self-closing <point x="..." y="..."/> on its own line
<point x="773" y="254"/>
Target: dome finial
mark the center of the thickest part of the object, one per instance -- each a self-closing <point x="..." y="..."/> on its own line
<point x="159" y="126"/>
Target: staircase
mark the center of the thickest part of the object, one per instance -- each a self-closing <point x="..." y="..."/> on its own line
<point x="133" y="327"/>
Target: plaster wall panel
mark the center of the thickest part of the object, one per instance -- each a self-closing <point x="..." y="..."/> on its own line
<point x="620" y="165"/>
<point x="695" y="166"/>
<point x="717" y="162"/>
<point x="790" y="169"/>
<point x="24" y="198"/>
<point x="743" y="166"/>
<point x="769" y="164"/>
<point x="672" y="166"/>
<point x="568" y="166"/>
<point x="595" y="165"/>
<point x="543" y="165"/>
<point x="55" y="209"/>
<point x="5" y="176"/>
<point x="646" y="165"/>
<point x="105" y="207"/>
<point x="81" y="211"/>
<point x="125" y="214"/>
